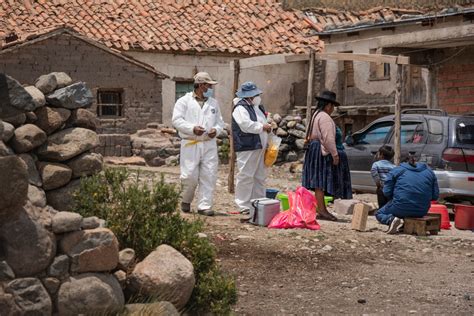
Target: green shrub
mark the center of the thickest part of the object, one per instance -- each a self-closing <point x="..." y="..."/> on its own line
<point x="144" y="217"/>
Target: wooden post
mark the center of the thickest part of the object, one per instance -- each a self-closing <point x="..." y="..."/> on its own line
<point x="310" y="95"/>
<point x="398" y="114"/>
<point x="230" y="180"/>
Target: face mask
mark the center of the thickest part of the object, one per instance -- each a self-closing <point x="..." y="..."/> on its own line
<point x="257" y="101"/>
<point x="209" y="93"/>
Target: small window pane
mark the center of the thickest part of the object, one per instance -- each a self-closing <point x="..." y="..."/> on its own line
<point x="182" y="88"/>
<point x="411" y="133"/>
<point x="465" y="131"/>
<point x="376" y="134"/>
<point x="435" y="129"/>
<point x="109" y="103"/>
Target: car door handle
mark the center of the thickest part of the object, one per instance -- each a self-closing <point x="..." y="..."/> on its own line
<point x="412" y="152"/>
<point x="373" y="153"/>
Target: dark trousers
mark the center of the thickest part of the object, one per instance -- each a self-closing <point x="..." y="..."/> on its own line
<point x="381" y="198"/>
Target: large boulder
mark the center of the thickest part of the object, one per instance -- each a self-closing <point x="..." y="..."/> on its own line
<point x="38" y="97"/>
<point x="46" y="83"/>
<point x="33" y="174"/>
<point x="28" y="246"/>
<point x="30" y="296"/>
<point x="62" y="199"/>
<point x="71" y="97"/>
<point x="62" y="79"/>
<point x="16" y="120"/>
<point x="86" y="164"/>
<point x="51" y="119"/>
<point x="5" y="150"/>
<point x="36" y="196"/>
<point x="84" y="118"/>
<point x="90" y="293"/>
<point x="166" y="275"/>
<point x="91" y="250"/>
<point x="64" y="222"/>
<point x="54" y="175"/>
<point x="13" y="182"/>
<point x="27" y="137"/>
<point x="14" y="99"/>
<point x="8" y="130"/>
<point x="68" y="143"/>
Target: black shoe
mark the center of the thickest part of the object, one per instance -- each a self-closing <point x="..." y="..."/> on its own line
<point x="185" y="207"/>
<point x="395" y="225"/>
<point x="206" y="212"/>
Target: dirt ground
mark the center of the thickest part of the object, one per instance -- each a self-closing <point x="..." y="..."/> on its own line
<point x="338" y="270"/>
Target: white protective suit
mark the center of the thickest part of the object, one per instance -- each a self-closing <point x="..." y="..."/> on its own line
<point x="198" y="157"/>
<point x="250" y="182"/>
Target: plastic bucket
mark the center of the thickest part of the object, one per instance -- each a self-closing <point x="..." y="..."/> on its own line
<point x="328" y="199"/>
<point x="464" y="216"/>
<point x="443" y="211"/>
<point x="283" y="198"/>
<point x="271" y="193"/>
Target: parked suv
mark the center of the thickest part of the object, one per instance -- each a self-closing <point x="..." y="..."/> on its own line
<point x="444" y="142"/>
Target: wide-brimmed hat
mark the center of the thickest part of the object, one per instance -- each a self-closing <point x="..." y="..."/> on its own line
<point x="328" y="96"/>
<point x="248" y="90"/>
<point x="203" y="77"/>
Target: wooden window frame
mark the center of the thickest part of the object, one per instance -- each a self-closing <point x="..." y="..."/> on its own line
<point x="376" y="68"/>
<point x="118" y="106"/>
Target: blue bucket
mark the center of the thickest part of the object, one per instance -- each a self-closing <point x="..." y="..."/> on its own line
<point x="271" y="193"/>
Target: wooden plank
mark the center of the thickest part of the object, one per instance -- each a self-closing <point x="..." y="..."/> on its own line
<point x="230" y="180"/>
<point x="310" y="95"/>
<point x="374" y="58"/>
<point x="398" y="114"/>
<point x="261" y="61"/>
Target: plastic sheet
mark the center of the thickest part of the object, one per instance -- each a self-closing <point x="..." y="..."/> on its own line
<point x="271" y="153"/>
<point x="302" y="212"/>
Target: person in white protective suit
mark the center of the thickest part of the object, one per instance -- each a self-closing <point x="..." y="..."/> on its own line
<point x="198" y="119"/>
<point x="250" y="134"/>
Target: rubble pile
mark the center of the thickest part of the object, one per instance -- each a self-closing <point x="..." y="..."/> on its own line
<point x="292" y="130"/>
<point x="52" y="260"/>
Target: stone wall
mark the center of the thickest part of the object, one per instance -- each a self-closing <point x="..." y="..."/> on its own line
<point x="142" y="92"/>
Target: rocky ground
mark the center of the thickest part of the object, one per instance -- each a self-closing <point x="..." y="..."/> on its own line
<point x="336" y="269"/>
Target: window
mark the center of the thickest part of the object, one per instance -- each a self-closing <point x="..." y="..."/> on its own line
<point x="435" y="131"/>
<point x="379" y="71"/>
<point x="110" y="102"/>
<point x="376" y="134"/>
<point x="465" y="131"/>
<point x="183" y="87"/>
<point x="410" y="133"/>
<point x="349" y="70"/>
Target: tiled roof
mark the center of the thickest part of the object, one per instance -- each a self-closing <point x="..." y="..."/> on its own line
<point x="248" y="27"/>
<point x="326" y="20"/>
<point x="34" y="38"/>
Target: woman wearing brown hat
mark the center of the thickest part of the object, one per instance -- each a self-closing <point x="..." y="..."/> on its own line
<point x="326" y="169"/>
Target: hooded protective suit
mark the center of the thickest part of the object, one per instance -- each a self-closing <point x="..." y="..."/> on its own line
<point x="410" y="190"/>
<point x="250" y="182"/>
<point x="198" y="157"/>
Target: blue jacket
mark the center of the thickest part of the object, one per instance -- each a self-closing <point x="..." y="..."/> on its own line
<point x="411" y="188"/>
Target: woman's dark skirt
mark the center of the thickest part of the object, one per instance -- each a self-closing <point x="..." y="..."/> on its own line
<point x="320" y="173"/>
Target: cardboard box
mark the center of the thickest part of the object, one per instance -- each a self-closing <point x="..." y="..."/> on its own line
<point x="359" y="217"/>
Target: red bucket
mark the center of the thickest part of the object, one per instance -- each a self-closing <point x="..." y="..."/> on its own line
<point x="464" y="216"/>
<point x="443" y="210"/>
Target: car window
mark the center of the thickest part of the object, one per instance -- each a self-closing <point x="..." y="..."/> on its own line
<point x="376" y="134"/>
<point x="465" y="131"/>
<point x="410" y="133"/>
<point x="435" y="131"/>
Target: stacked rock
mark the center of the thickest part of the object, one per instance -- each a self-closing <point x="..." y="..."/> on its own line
<point x="292" y="130"/>
<point x="53" y="261"/>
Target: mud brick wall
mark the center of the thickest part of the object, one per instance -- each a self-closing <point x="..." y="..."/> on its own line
<point x="455" y="88"/>
<point x="99" y="69"/>
<point x="118" y="145"/>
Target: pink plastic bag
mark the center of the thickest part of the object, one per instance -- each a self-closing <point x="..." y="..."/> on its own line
<point x="302" y="212"/>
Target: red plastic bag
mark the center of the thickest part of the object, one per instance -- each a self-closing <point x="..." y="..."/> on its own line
<point x="302" y="212"/>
